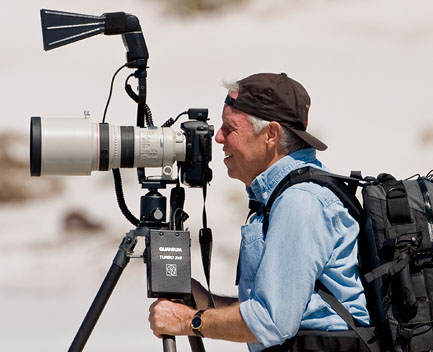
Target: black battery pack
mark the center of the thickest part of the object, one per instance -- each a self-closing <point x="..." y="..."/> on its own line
<point x="168" y="262"/>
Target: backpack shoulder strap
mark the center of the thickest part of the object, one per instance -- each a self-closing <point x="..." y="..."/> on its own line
<point x="343" y="187"/>
<point x="367" y="336"/>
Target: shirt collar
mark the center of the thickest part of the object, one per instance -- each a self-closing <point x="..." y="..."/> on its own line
<point x="264" y="184"/>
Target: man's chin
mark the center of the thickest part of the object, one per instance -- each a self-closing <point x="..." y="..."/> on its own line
<point x="231" y="170"/>
<point x="232" y="174"/>
<point x="227" y="163"/>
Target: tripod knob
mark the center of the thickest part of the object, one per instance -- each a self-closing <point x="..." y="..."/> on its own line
<point x="157" y="215"/>
<point x="153" y="207"/>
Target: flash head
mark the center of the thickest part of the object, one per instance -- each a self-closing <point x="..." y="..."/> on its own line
<point x="61" y="28"/>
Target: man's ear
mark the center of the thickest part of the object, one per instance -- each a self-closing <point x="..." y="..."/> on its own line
<point x="275" y="130"/>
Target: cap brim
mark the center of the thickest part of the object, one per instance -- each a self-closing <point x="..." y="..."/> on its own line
<point x="311" y="140"/>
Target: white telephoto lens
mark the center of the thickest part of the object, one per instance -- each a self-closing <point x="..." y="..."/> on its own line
<point x="62" y="146"/>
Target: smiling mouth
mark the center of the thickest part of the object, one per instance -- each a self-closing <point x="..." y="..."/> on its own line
<point x="227" y="155"/>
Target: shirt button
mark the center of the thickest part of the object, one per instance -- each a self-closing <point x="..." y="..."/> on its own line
<point x="265" y="195"/>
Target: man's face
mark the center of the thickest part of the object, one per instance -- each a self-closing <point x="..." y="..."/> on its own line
<point x="245" y="151"/>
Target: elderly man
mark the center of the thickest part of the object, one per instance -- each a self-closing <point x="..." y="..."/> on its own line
<point x="310" y="236"/>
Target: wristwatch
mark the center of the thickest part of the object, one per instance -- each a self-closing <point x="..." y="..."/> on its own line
<point x="197" y="323"/>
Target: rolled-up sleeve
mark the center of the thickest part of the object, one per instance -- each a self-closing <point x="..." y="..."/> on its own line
<point x="298" y="245"/>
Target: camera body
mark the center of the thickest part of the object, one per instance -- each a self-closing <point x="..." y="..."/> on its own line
<point x="195" y="169"/>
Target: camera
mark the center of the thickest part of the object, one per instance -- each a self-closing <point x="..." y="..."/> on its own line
<point x="61" y="146"/>
<point x="71" y="146"/>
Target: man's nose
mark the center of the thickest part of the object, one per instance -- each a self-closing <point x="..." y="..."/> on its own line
<point x="219" y="137"/>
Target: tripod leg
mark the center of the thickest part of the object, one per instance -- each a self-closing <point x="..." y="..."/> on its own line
<point x="119" y="263"/>
<point x="96" y="309"/>
<point x="169" y="343"/>
<point x="196" y="344"/>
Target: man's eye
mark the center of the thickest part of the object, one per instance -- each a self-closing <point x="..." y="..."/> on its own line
<point x="226" y="129"/>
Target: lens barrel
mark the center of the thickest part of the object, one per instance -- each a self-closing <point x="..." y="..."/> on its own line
<point x="61" y="146"/>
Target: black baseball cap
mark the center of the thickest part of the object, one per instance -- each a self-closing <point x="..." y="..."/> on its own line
<point x="276" y="97"/>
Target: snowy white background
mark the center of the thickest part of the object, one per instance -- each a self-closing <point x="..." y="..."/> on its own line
<point x="367" y="67"/>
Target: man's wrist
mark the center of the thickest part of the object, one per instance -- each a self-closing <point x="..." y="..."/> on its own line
<point x="197" y="323"/>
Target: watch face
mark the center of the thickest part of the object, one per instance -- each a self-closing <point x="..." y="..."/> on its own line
<point x="196" y="322"/>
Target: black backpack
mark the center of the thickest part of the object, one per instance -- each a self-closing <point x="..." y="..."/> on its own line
<point x="395" y="255"/>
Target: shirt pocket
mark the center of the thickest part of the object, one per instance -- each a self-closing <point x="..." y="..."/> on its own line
<point x="252" y="247"/>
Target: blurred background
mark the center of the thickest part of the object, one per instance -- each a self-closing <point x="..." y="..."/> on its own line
<point x="366" y="64"/>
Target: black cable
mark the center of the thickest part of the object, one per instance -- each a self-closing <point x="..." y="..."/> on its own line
<point x="148" y="114"/>
<point x="129" y="89"/>
<point x="121" y="199"/>
<point x="170" y="122"/>
<point x="111" y="91"/>
<point x="144" y="109"/>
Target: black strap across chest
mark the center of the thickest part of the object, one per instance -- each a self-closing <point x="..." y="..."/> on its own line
<point x="343" y="187"/>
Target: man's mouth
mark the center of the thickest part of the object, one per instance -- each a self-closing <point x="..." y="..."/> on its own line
<point x="227" y="154"/>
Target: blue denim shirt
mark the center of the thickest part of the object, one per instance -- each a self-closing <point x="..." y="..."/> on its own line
<point x="311" y="235"/>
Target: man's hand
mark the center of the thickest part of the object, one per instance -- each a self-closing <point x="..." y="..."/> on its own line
<point x="170" y="318"/>
<point x="173" y="318"/>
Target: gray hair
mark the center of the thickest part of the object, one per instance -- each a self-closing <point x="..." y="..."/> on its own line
<point x="288" y="140"/>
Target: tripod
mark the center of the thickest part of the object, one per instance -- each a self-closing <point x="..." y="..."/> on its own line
<point x="158" y="235"/>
